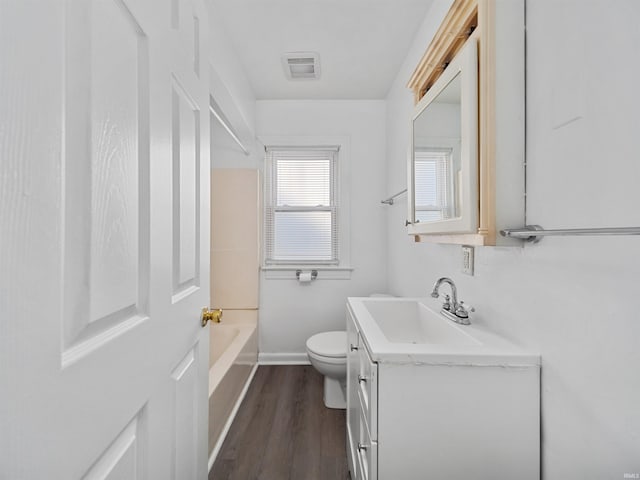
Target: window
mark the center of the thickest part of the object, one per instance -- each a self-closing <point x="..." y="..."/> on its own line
<point x="433" y="185"/>
<point x="301" y="200"/>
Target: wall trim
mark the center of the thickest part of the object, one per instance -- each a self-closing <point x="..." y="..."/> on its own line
<point x="289" y="273"/>
<point x="283" y="359"/>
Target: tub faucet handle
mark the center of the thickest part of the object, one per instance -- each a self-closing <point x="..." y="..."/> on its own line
<point x="210" y="314"/>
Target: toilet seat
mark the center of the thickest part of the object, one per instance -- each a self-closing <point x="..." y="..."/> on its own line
<point x="328" y="344"/>
<point x="327" y="360"/>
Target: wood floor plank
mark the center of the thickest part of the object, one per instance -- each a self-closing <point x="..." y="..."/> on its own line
<point x="279" y="444"/>
<point x="283" y="431"/>
<point x="308" y="431"/>
<point x="245" y="453"/>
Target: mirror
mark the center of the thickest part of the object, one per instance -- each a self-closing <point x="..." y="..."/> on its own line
<point x="443" y="183"/>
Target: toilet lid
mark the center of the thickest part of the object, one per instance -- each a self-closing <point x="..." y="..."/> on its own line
<point x="328" y="344"/>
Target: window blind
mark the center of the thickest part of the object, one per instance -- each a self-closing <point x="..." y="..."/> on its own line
<point x="301" y="206"/>
<point x="433" y="185"/>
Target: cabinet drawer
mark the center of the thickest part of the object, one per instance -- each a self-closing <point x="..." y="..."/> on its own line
<point x="368" y="390"/>
<point x="367" y="453"/>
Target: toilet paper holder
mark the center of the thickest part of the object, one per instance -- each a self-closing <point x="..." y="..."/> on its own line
<point x="314" y="274"/>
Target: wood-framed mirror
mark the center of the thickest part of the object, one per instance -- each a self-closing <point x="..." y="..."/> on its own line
<point x="498" y="28"/>
<point x="443" y="166"/>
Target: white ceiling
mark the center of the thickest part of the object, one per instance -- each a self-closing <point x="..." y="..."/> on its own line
<point x="361" y="43"/>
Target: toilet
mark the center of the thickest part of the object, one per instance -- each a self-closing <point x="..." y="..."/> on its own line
<point x="327" y="352"/>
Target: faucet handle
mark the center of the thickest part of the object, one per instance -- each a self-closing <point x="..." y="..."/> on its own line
<point x="463" y="310"/>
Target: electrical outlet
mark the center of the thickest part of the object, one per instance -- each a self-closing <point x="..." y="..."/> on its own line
<point x="467" y="260"/>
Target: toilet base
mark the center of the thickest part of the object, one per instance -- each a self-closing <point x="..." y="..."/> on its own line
<point x="334" y="393"/>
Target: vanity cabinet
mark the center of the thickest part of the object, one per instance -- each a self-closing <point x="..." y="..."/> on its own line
<point x="415" y="419"/>
<point x="362" y="406"/>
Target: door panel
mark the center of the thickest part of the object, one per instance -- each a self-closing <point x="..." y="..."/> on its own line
<point x="115" y="159"/>
<point x="185" y="378"/>
<point x="106" y="171"/>
<point x="103" y="362"/>
<point x="123" y="459"/>
<point x="185" y="118"/>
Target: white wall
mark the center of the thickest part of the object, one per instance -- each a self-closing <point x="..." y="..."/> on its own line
<point x="574" y="299"/>
<point x="231" y="90"/>
<point x="229" y="72"/>
<point x="291" y="312"/>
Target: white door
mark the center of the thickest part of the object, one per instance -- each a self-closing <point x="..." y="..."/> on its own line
<point x="104" y="221"/>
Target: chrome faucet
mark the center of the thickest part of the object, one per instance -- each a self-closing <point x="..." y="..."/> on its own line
<point x="458" y="312"/>
<point x="454" y="293"/>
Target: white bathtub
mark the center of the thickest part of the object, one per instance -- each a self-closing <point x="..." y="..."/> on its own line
<point x="232" y="359"/>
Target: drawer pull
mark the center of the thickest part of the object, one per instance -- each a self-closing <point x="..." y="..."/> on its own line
<point x="362" y="447"/>
<point x="362" y="379"/>
<point x="352" y="347"/>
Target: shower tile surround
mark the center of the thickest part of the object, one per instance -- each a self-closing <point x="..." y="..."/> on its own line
<point x="235" y="238"/>
<point x="235" y="263"/>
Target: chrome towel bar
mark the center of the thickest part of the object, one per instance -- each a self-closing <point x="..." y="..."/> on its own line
<point x="534" y="233"/>
<point x="389" y="201"/>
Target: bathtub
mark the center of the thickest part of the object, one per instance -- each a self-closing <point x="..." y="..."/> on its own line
<point x="233" y="356"/>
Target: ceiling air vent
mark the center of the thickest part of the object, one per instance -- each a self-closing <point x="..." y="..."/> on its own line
<point x="301" y="65"/>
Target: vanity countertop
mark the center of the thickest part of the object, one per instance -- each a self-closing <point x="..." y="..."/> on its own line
<point x="411" y="330"/>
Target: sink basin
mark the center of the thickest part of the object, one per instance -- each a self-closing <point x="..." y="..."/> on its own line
<point x="410" y="321"/>
<point x="412" y="330"/>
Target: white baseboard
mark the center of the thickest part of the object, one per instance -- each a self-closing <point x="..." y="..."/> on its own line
<point x="232" y="416"/>
<point x="283" y="359"/>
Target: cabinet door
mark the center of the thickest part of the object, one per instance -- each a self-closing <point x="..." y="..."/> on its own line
<point x="353" y="402"/>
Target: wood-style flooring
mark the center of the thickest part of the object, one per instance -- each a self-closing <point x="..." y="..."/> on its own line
<point x="283" y="431"/>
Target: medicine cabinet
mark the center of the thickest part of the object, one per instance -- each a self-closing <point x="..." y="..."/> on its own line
<point x="443" y="172"/>
<point x="466" y="168"/>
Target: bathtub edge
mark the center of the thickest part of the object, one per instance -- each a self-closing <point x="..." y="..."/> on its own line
<point x="231" y="418"/>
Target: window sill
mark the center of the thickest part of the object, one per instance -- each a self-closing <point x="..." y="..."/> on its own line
<point x="288" y="272"/>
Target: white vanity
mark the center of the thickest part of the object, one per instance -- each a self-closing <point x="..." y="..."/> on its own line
<point x="431" y="399"/>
